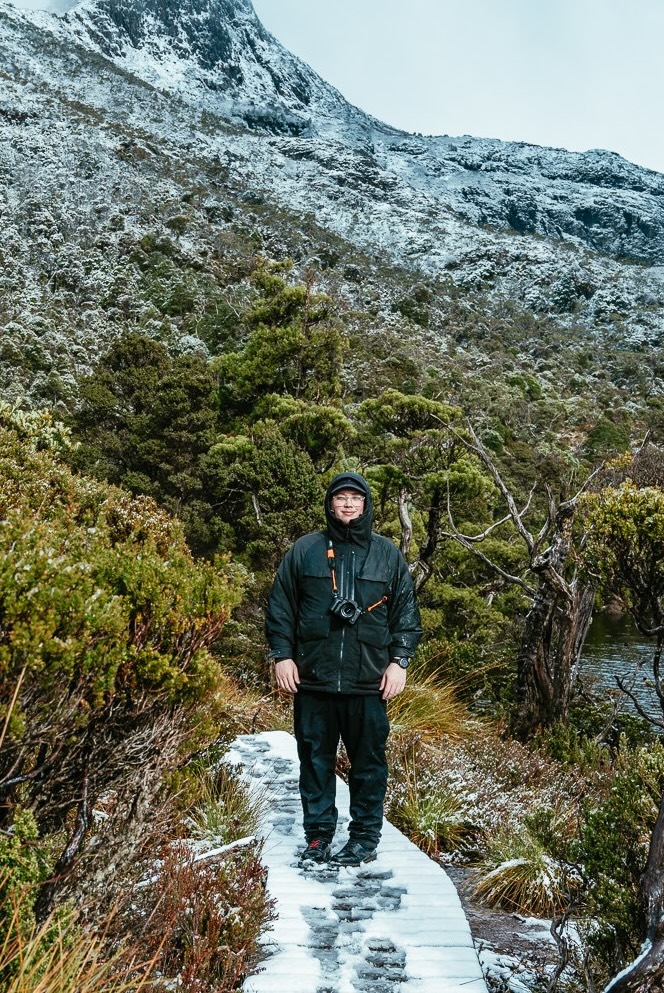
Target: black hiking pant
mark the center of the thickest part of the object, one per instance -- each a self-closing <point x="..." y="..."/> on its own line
<point x="321" y="719"/>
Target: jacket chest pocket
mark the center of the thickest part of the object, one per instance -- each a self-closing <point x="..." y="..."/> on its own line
<point x="374" y="589"/>
<point x="374" y="639"/>
<point x="373" y="629"/>
<point x="314" y="613"/>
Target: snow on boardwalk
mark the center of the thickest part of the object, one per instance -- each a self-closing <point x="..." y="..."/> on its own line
<point x="395" y="925"/>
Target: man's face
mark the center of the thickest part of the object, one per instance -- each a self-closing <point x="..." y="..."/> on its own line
<point x="347" y="505"/>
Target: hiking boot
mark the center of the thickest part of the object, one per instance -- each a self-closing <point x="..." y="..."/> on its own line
<point x="354" y="852"/>
<point x="317" y="850"/>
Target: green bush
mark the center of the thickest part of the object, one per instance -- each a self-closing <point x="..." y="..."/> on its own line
<point x="20" y="870"/>
<point x="613" y="849"/>
<point x="106" y="626"/>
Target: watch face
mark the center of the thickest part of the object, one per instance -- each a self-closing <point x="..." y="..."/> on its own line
<point x="402" y="662"/>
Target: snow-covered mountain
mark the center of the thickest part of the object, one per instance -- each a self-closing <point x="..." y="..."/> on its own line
<point x="217" y="53"/>
<point x="112" y="112"/>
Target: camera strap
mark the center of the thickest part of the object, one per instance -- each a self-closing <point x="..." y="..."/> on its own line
<point x="332" y="562"/>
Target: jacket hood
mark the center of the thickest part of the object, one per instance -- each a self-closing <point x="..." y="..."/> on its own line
<point x="358" y="530"/>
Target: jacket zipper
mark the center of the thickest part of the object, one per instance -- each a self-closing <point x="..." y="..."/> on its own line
<point x="348" y="583"/>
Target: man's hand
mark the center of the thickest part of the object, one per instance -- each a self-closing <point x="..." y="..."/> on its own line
<point x="393" y="681"/>
<point x="287" y="675"/>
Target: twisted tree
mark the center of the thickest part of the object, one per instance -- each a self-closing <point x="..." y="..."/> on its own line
<point x="561" y="597"/>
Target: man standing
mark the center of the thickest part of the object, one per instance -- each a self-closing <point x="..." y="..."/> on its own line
<point x="342" y="624"/>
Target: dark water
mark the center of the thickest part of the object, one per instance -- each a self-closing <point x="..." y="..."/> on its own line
<point x="613" y="648"/>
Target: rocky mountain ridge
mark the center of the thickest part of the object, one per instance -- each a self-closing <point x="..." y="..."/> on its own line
<point x="219" y="52"/>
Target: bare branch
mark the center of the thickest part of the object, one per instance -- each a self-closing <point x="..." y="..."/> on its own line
<point x="639" y="708"/>
<point x="508" y="577"/>
<point x="467" y="542"/>
<point x="545" y="530"/>
<point x="656" y="632"/>
<point x="472" y="538"/>
<point x="557" y="929"/>
<point x="257" y="509"/>
<point x="480" y="450"/>
<point x="584" y="486"/>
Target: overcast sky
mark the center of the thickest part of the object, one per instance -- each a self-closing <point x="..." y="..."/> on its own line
<point x="573" y="73"/>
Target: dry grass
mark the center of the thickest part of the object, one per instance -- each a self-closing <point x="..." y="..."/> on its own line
<point x="523" y="877"/>
<point x="64" y="958"/>
<point x="428" y="710"/>
<point x="226" y="809"/>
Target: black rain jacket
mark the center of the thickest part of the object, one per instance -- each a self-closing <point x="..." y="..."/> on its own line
<point x="331" y="655"/>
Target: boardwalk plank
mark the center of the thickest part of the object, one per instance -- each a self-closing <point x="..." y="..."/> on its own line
<point x="395" y="925"/>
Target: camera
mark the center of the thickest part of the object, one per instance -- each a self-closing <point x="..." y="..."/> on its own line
<point x="347" y="610"/>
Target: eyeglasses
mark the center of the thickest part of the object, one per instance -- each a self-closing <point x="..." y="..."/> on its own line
<point x="348" y="498"/>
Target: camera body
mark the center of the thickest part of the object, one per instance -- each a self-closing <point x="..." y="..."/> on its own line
<point x="346" y="609"/>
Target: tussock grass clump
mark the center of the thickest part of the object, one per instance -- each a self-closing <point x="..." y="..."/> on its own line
<point x="226" y="810"/>
<point x="428" y="812"/>
<point x="428" y="710"/>
<point x="64" y="958"/>
<point x="523" y="877"/>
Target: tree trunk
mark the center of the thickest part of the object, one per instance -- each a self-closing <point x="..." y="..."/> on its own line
<point x="554" y="633"/>
<point x="420" y="569"/>
<point x="553" y="636"/>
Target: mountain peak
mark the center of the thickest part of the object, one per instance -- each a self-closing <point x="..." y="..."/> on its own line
<point x="203" y="29"/>
<point x="214" y="53"/>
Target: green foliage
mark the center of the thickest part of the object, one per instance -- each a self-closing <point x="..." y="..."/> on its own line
<point x="573" y="746"/>
<point x="20" y="870"/>
<point x="613" y="849"/>
<point x="606" y="438"/>
<point x="269" y="490"/>
<point x="415" y="308"/>
<point x="38" y="429"/>
<point x="294" y="346"/>
<point x="105" y="635"/>
<point x="625" y="547"/>
<point x="594" y="733"/>
<point x="145" y="421"/>
<point x="395" y="413"/>
<point x="318" y="429"/>
<point x="483" y="674"/>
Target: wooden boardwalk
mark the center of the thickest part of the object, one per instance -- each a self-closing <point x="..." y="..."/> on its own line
<point x="395" y="925"/>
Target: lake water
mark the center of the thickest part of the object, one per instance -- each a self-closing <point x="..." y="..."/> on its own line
<point x="613" y="648"/>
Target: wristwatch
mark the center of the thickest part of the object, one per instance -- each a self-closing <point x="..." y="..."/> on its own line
<point x="403" y="662"/>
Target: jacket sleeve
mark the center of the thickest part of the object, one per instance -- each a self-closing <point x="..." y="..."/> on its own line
<point x="282" y="609"/>
<point x="403" y="613"/>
